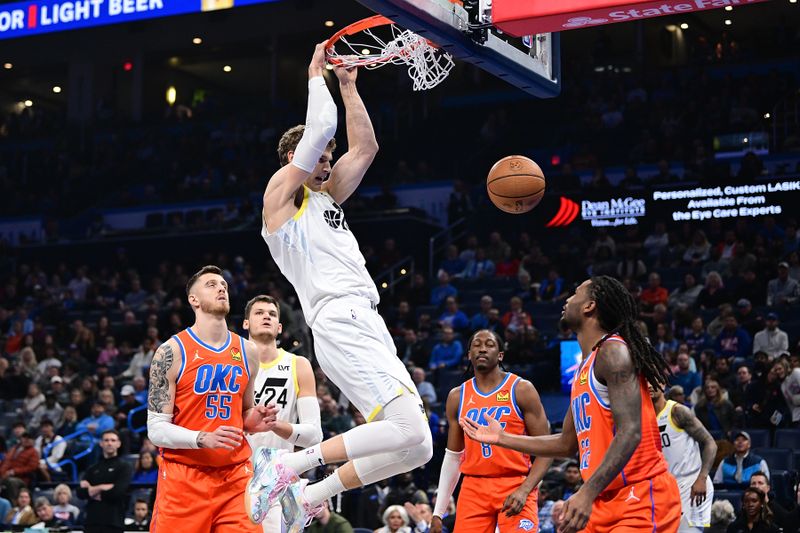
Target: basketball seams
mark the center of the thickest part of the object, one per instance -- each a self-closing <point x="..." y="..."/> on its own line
<point x="520" y="194"/>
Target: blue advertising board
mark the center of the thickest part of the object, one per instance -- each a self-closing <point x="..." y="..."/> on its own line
<point x="35" y="17"/>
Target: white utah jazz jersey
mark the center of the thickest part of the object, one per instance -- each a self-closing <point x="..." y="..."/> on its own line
<point x="680" y="450"/>
<point x="319" y="255"/>
<point x="276" y="383"/>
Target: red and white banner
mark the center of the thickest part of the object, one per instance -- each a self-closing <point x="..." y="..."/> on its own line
<point x="527" y="17"/>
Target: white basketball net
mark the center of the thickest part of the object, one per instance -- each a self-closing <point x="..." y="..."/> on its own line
<point x="427" y="65"/>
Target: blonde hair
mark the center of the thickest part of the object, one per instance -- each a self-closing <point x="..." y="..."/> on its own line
<point x="395" y="509"/>
<point x="62" y="488"/>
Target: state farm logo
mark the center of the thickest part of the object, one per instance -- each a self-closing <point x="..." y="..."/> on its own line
<point x="578" y="22"/>
<point x="566" y="215"/>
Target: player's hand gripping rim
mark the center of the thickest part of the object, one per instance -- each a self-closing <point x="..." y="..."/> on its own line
<point x="489" y="434"/>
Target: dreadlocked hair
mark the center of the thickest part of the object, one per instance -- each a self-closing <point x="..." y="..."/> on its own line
<point x="501" y="345"/>
<point x="616" y="312"/>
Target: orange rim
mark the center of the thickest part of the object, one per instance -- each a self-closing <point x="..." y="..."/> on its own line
<point x="357" y="27"/>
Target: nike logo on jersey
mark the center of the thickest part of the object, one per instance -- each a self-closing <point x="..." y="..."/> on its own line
<point x="632" y="497"/>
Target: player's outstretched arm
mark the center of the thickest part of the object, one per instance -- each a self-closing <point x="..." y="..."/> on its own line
<point x="451" y="466"/>
<point x="686" y="420"/>
<point x="256" y="418"/>
<point x="537" y="425"/>
<point x="362" y="146"/>
<point x="564" y="444"/>
<point x="320" y="127"/>
<point x="614" y="367"/>
<point x="308" y="431"/>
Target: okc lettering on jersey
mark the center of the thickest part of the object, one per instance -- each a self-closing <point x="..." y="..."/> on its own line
<point x="217" y="378"/>
<point x="494" y="412"/>
<point x="582" y="421"/>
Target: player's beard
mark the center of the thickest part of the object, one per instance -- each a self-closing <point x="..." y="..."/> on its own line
<point x="216" y="308"/>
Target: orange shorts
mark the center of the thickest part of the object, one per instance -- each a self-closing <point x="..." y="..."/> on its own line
<point x="652" y="505"/>
<point x="202" y="499"/>
<point x="482" y="498"/>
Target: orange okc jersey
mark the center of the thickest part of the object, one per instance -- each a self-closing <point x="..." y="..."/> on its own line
<point x="594" y="426"/>
<point x="500" y="404"/>
<point x="209" y="393"/>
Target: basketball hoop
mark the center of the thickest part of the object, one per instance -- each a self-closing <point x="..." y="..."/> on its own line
<point x="376" y="41"/>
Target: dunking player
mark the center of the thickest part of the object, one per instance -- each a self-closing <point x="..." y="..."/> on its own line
<point x="283" y="379"/>
<point x="682" y="437"/>
<point x="199" y="404"/>
<point x="499" y="489"/>
<point x="611" y="422"/>
<point x="311" y="243"/>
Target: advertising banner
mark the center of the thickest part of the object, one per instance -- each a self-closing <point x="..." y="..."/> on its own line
<point x="35" y="17"/>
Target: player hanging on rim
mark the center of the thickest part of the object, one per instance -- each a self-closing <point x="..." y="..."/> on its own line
<point x="682" y="438"/>
<point x="500" y="487"/>
<point x="611" y="420"/>
<point x="311" y="243"/>
<point x="285" y="380"/>
<point x="200" y="403"/>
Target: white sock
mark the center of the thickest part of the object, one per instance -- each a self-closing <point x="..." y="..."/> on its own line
<point x="327" y="488"/>
<point x="304" y="460"/>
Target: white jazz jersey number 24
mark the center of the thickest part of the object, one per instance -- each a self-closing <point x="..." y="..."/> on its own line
<point x="276" y="383"/>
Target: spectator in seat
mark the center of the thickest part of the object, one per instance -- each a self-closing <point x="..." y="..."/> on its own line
<point x="105" y="486"/>
<point x="516" y="318"/>
<point x="631" y="266"/>
<point x="447" y="353"/>
<point x="140" y="521"/>
<point x="553" y="288"/>
<point x="655" y="243"/>
<point x="751" y="288"/>
<point x="654" y="293"/>
<point x="70" y="422"/>
<point x="742" y="464"/>
<point x="63" y="509"/>
<point x="49" y="410"/>
<point x="22" y="514"/>
<point x="480" y="320"/>
<point x="498" y="248"/>
<point x="722" y="515"/>
<point x="395" y="520"/>
<point x="453" y="317"/>
<point x="5" y="507"/>
<point x="32" y="400"/>
<point x="479" y="267"/>
<point x="442" y="291"/>
<point x="733" y="341"/>
<point x="146" y="470"/>
<point x="411" y="350"/>
<point x="772" y="340"/>
<point x="756" y="516"/>
<point x="699" y="251"/>
<point x="782" y="290"/>
<point x="664" y="341"/>
<point x="686" y="294"/>
<point x="713" y="409"/>
<point x="508" y="266"/>
<point x="47" y="436"/>
<point x="790" y="387"/>
<point x="685" y="377"/>
<point x="747" y="393"/>
<point x="97" y="422"/>
<point x="751" y="321"/>
<point x="723" y="373"/>
<point x="572" y="479"/>
<point x="452" y="263"/>
<point x="45" y="514"/>
<point x="405" y="490"/>
<point x="140" y="362"/>
<point x="19" y="465"/>
<point x="714" y="293"/>
<point x="781" y="516"/>
<point x="129" y="403"/>
<point x="698" y="339"/>
<point x="424" y="388"/>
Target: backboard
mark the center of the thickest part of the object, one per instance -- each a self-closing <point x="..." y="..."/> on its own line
<point x="464" y="29"/>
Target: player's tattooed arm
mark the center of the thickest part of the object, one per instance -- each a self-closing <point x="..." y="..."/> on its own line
<point x="161" y="393"/>
<point x="685" y="419"/>
<point x="615" y="367"/>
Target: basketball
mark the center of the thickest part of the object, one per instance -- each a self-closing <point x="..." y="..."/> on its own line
<point x="515" y="184"/>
